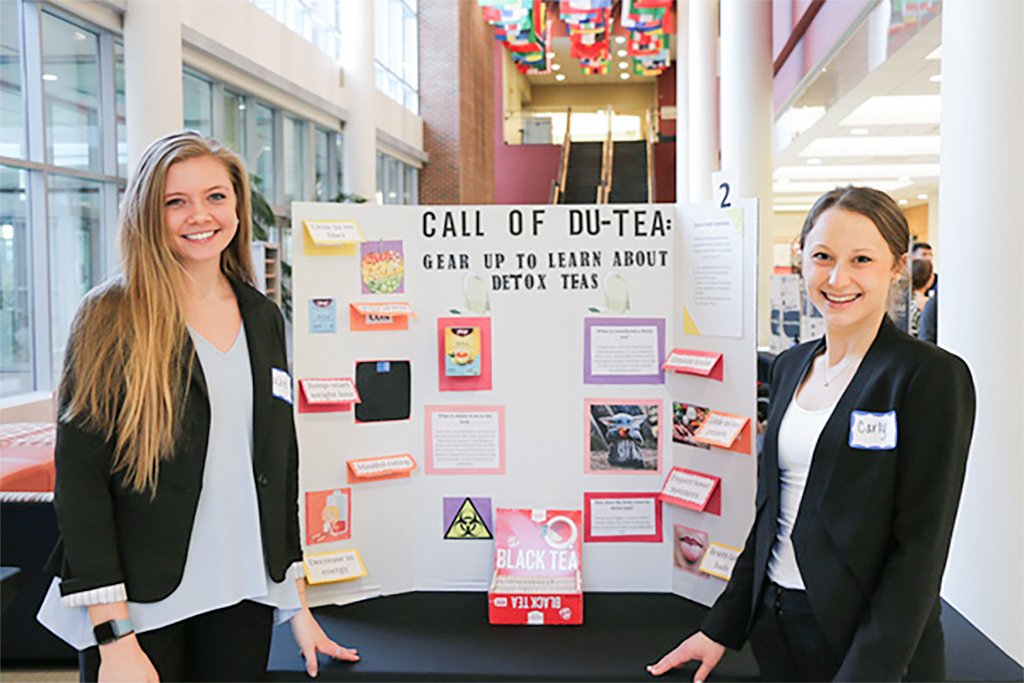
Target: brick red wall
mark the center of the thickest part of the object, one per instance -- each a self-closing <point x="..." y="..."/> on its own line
<point x="456" y="80"/>
<point x="439" y="90"/>
<point x="667" y="98"/>
<point x="476" y="105"/>
<point x="460" y="64"/>
<point x="522" y="173"/>
<point x="665" y="152"/>
<point x="665" y="172"/>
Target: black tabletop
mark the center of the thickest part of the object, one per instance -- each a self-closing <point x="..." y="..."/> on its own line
<point x="446" y="636"/>
<point x="10" y="585"/>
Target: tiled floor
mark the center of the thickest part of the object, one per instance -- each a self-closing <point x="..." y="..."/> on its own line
<point x="37" y="675"/>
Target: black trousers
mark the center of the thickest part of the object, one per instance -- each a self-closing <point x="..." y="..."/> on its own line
<point x="789" y="645"/>
<point x="787" y="641"/>
<point x="229" y="644"/>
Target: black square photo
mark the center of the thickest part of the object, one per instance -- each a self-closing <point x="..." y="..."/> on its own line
<point x="384" y="388"/>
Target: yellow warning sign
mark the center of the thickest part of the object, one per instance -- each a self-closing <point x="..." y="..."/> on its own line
<point x="468" y="524"/>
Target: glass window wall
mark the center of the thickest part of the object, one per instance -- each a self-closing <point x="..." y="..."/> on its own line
<point x="322" y="166"/>
<point x="380" y="178"/>
<point x="396" y="51"/>
<point x="119" y="110"/>
<point x="12" y="103"/>
<point x="393" y="189"/>
<point x="294" y="159"/>
<point x="339" y="163"/>
<point x="410" y="190"/>
<point x="71" y="85"/>
<point x="17" y="371"/>
<point x="317" y="21"/>
<point x="285" y="163"/>
<point x="233" y="129"/>
<point x="57" y="212"/>
<point x="76" y="248"/>
<point x="197" y="99"/>
<point x="397" y="182"/>
<point x="58" y="200"/>
<point x="265" y="151"/>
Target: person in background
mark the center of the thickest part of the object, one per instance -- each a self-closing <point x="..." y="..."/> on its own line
<point x="859" y="477"/>
<point x="923" y="252"/>
<point x="928" y="330"/>
<point x="920" y="279"/>
<point x="176" y="454"/>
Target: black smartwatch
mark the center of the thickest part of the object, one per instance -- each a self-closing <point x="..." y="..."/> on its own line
<point x="110" y="631"/>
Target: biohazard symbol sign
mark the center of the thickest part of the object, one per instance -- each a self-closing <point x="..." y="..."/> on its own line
<point x="468" y="524"/>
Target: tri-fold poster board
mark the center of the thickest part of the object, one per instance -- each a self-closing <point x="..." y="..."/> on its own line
<point x="451" y="361"/>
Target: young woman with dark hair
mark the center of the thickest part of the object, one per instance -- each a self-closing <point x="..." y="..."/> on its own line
<point x="859" y="477"/>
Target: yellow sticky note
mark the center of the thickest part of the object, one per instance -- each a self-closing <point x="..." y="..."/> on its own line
<point x="342" y="565"/>
<point x="719" y="560"/>
<point x="330" y="238"/>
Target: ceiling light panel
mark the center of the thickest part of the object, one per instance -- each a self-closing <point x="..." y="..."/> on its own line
<point x="907" y="145"/>
<point x="858" y="172"/>
<point x="896" y="109"/>
<point x="822" y="186"/>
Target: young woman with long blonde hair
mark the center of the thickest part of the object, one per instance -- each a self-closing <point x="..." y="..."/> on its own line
<point x="177" y="483"/>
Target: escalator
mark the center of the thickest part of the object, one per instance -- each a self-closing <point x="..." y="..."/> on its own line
<point x="583" y="174"/>
<point x="629" y="173"/>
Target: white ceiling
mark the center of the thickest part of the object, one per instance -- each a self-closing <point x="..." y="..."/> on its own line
<point x="878" y="127"/>
<point x="883" y="132"/>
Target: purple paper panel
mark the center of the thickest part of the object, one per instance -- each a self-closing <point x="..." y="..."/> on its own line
<point x="655" y="378"/>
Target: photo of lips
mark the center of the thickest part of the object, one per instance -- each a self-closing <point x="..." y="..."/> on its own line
<point x="689" y="548"/>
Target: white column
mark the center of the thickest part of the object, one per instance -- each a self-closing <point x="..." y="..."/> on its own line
<point x="980" y="312"/>
<point x="152" y="73"/>
<point x="703" y="97"/>
<point x="682" y="104"/>
<point x="361" y="98"/>
<point x="747" y="124"/>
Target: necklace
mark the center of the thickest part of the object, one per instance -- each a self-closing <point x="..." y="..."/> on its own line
<point x="841" y="367"/>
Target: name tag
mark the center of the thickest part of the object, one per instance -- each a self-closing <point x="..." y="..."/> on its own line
<point x="281" y="384"/>
<point x="873" y="431"/>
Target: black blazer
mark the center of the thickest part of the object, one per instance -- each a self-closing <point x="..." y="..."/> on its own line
<point x="873" y="529"/>
<point x="110" y="534"/>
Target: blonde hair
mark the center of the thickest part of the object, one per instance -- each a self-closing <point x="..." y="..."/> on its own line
<point x="129" y="358"/>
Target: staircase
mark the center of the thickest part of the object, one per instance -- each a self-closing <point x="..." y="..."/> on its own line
<point x="629" y="173"/>
<point x="584" y="173"/>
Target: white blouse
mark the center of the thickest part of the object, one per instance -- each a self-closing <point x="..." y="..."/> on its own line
<point x="225" y="564"/>
<point x="798" y="436"/>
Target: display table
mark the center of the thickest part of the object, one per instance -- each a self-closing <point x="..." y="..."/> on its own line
<point x="445" y="636"/>
<point x="10" y="585"/>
